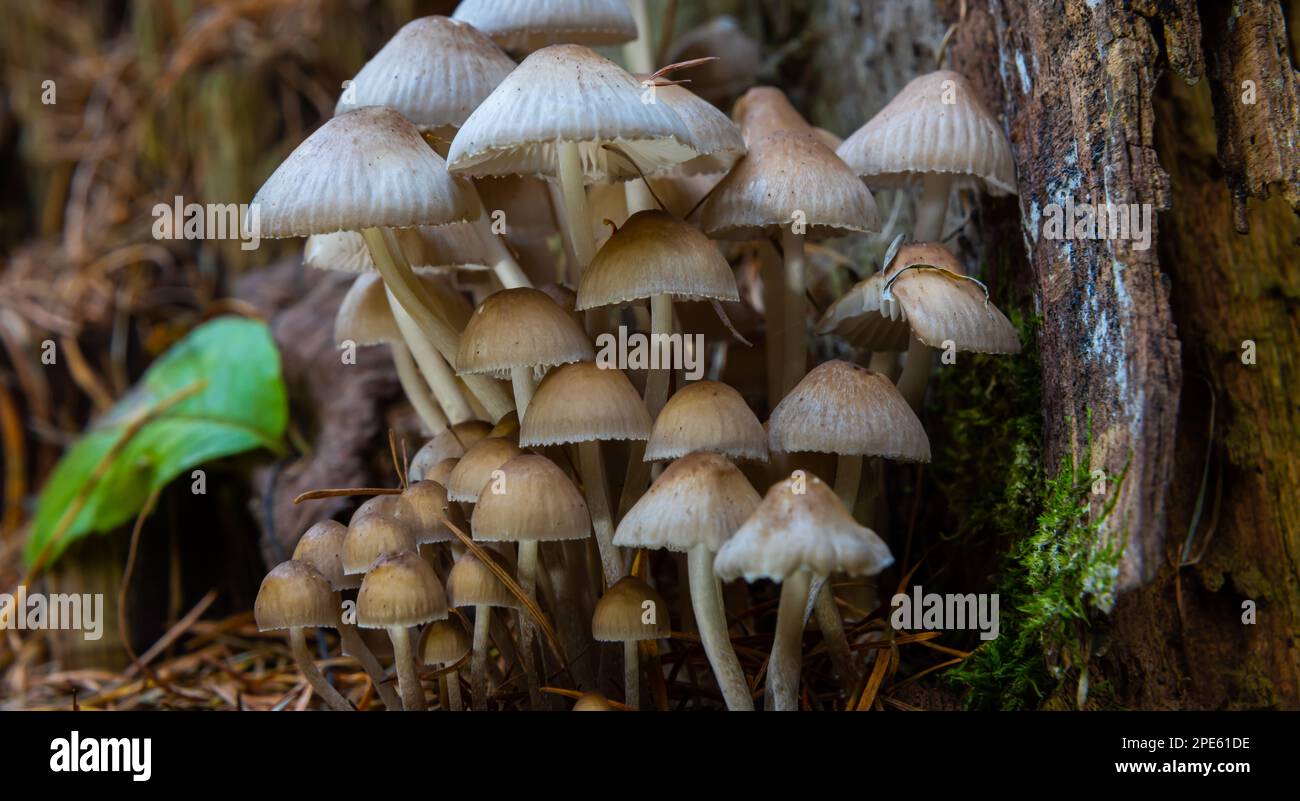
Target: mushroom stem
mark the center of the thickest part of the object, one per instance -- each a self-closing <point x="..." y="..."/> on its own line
<point x="408" y="681"/>
<point x="504" y="265"/>
<point x="711" y="618"/>
<point x="931" y="209"/>
<point x="796" y="350"/>
<point x="432" y="366"/>
<point x="639" y="52"/>
<point x="884" y="362"/>
<point x="848" y="475"/>
<point x="414" y="388"/>
<point x="521" y="379"/>
<point x="602" y="523"/>
<point x="478" y="661"/>
<point x="527" y="626"/>
<point x="355" y="647"/>
<point x="632" y="674"/>
<point x="455" y="704"/>
<point x="661" y="329"/>
<point x="832" y="628"/>
<point x="787" y="647"/>
<point x="577" y="223"/>
<point x="411" y="294"/>
<point x="302" y="655"/>
<point x="774" y="313"/>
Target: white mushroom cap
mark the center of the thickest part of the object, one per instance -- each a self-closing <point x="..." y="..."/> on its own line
<point x="933" y="126"/>
<point x="526" y="25"/>
<point x="435" y="71"/>
<point x="846" y="409"/>
<point x="701" y="499"/>
<point x="796" y="530"/>
<point x="713" y="135"/>
<point x="571" y="94"/>
<point x="368" y="168"/>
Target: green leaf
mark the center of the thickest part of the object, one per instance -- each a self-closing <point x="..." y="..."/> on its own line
<point x="215" y="393"/>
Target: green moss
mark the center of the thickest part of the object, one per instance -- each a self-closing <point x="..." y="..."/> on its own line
<point x="1053" y="581"/>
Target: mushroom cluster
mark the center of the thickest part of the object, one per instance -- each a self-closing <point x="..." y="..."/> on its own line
<point x="522" y="536"/>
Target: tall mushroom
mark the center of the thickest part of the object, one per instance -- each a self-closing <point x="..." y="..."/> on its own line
<point x="401" y="590"/>
<point x="695" y="507"/>
<point x="585" y="403"/>
<point x="934" y="132"/>
<point x="799" y="530"/>
<point x="294" y="596"/>
<point x="630" y="612"/>
<point x="539" y="504"/>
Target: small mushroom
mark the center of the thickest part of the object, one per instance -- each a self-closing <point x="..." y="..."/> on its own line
<point x="401" y="590"/>
<point x="295" y="596"/>
<point x="707" y="416"/>
<point x="443" y="644"/>
<point x="630" y="612"/>
<point x="471" y="583"/>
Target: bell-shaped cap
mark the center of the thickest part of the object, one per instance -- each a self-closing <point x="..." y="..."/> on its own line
<point x="701" y="499"/>
<point x="293" y="595"/>
<point x="474" y="471"/>
<point x="936" y="124"/>
<point x="444" y="642"/>
<point x="713" y="135"/>
<point x="539" y="502"/>
<point x="400" y="589"/>
<point x="369" y="168"/>
<point x="434" y="70"/>
<point x="372" y="535"/>
<point x="788" y="178"/>
<point x="426" y="509"/>
<point x="567" y="93"/>
<point x="765" y="110"/>
<point x="706" y="416"/>
<point x="941" y="304"/>
<point x="621" y="613"/>
<point x="526" y="25"/>
<point x="472" y="583"/>
<point x="593" y="702"/>
<point x="865" y="319"/>
<point x="520" y="327"/>
<point x="449" y="444"/>
<point x="656" y="254"/>
<point x="581" y="402"/>
<point x="321" y="546"/>
<point x="386" y="504"/>
<point x="846" y="409"/>
<point x="801" y="525"/>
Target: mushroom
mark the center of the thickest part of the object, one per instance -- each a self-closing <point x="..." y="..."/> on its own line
<point x="426" y="508"/>
<point x="471" y="583"/>
<point x="372" y="535"/>
<point x="694" y="507"/>
<point x="369" y="170"/>
<point x="540" y="504"/>
<point x="526" y="25"/>
<point x="593" y="702"/>
<point x="923" y="289"/>
<point x="473" y="473"/>
<point x="554" y="115"/>
<point x="764" y="110"/>
<point x="630" y="612"/>
<point x="294" y="596"/>
<point x="934" y="132"/>
<point x="799" y="530"/>
<point x="707" y="416"/>
<point x="321" y="547"/>
<point x="515" y="333"/>
<point x="844" y="409"/>
<point x="440" y="473"/>
<point x="450" y="444"/>
<point x="385" y="504"/>
<point x="401" y="590"/>
<point x="792" y="184"/>
<point x="584" y="403"/>
<point x="443" y="643"/>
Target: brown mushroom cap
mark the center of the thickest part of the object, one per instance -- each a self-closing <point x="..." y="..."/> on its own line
<point x="764" y="110"/>
<point x="386" y="504"/>
<point x="520" y="327"/>
<point x="371" y="536"/>
<point x="706" y="416"/>
<point x="788" y="177"/>
<point x="444" y="642"/>
<point x="581" y="402"/>
<point x="474" y="470"/>
<point x="400" y="589"/>
<point x="846" y="409"/>
<point x="801" y="525"/>
<point x="293" y="595"/>
<point x="701" y="499"/>
<point x="621" y="613"/>
<point x="321" y="546"/>
<point x="656" y="254"/>
<point x="449" y="444"/>
<point x="539" y="503"/>
<point x="426" y="508"/>
<point x="936" y="124"/>
<point x="471" y="583"/>
<point x="526" y="25"/>
<point x="593" y="702"/>
<point x="440" y="473"/>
